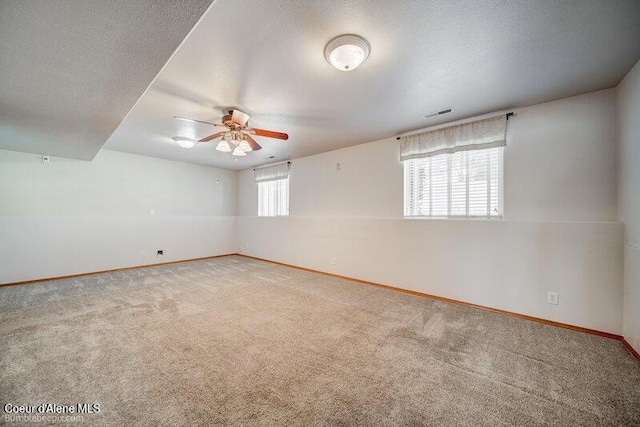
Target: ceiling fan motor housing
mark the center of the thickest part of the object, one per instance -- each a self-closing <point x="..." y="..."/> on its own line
<point x="226" y="120"/>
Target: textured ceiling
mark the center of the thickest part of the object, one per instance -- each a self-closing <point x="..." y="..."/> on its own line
<point x="266" y="57"/>
<point x="71" y="70"/>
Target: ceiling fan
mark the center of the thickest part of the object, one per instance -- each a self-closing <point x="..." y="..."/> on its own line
<point x="235" y="132"/>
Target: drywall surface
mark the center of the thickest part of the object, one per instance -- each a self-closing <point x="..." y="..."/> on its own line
<point x="71" y="71"/>
<point x="113" y="183"/>
<point x="70" y="216"/>
<point x="631" y="322"/>
<point x="559" y="233"/>
<point x="629" y="198"/>
<point x="560" y="164"/>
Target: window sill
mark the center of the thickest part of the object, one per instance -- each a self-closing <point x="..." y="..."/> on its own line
<point x="456" y="218"/>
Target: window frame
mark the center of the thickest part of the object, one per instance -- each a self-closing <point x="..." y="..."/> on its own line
<point x="500" y="198"/>
<point x="262" y="185"/>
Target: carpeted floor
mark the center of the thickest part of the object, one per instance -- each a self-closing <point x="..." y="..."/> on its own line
<point x="235" y="341"/>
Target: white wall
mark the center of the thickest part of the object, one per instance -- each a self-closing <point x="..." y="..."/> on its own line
<point x="629" y="198"/>
<point x="560" y="164"/>
<point x="559" y="233"/>
<point x="72" y="216"/>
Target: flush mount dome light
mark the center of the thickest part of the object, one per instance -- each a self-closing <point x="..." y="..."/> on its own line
<point x="184" y="142"/>
<point x="347" y="52"/>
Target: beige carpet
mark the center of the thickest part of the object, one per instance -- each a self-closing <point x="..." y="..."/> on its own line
<point x="235" y="341"/>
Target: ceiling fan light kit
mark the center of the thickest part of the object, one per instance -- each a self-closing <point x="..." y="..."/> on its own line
<point x="223" y="146"/>
<point x="237" y="152"/>
<point x="244" y="146"/>
<point x="347" y="51"/>
<point x="235" y="133"/>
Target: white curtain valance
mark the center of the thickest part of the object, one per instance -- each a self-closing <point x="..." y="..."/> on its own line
<point x="272" y="173"/>
<point x="478" y="135"/>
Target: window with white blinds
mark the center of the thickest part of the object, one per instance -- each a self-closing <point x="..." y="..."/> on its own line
<point x="273" y="189"/>
<point x="461" y="184"/>
<point x="273" y="197"/>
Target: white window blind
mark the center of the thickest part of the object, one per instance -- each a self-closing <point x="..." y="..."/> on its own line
<point x="273" y="198"/>
<point x="273" y="190"/>
<point x="461" y="184"/>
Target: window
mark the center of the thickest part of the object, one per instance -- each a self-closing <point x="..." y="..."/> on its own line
<point x="273" y="197"/>
<point x="273" y="189"/>
<point x="462" y="184"/>
<point x="455" y="171"/>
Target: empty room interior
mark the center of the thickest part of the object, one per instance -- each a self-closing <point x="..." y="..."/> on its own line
<point x="318" y="213"/>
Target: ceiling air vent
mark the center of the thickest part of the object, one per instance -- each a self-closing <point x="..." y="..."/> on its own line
<point x="437" y="113"/>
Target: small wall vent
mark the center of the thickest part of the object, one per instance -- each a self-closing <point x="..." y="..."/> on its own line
<point x="438" y="113"/>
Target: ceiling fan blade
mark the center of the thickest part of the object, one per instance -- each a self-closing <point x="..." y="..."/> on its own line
<point x="270" y="134"/>
<point x="184" y="119"/>
<point x="252" y="143"/>
<point x="239" y="118"/>
<point x="214" y="136"/>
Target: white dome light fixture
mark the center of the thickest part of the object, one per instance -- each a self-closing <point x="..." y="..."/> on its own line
<point x="346" y="52"/>
<point x="184" y="142"/>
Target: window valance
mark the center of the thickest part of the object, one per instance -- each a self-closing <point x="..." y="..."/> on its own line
<point x="272" y="173"/>
<point x="478" y="135"/>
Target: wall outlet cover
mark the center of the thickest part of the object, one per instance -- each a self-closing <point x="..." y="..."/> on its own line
<point x="552" y="298"/>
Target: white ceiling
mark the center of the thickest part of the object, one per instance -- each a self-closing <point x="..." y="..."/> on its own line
<point x="71" y="70"/>
<point x="266" y="58"/>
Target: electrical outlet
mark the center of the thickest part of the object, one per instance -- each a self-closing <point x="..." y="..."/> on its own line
<point x="152" y="211"/>
<point x="160" y="252"/>
<point x="552" y="298"/>
<point x="333" y="261"/>
<point x="143" y="254"/>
